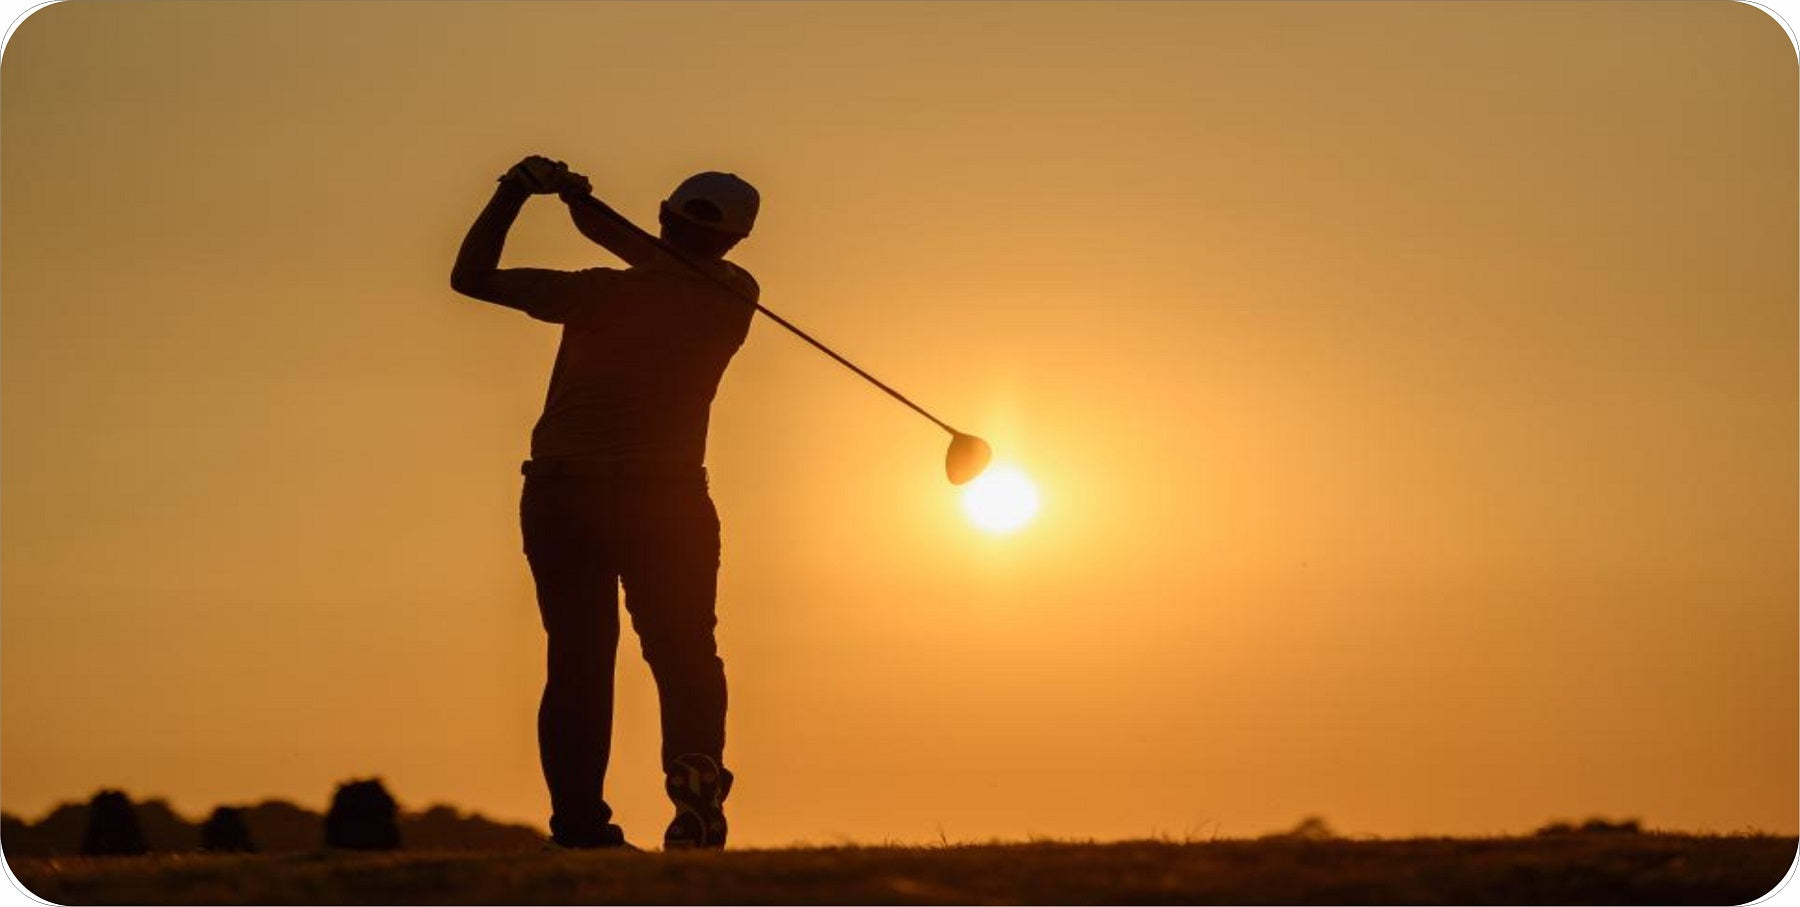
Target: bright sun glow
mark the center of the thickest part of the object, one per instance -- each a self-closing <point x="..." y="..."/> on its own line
<point x="1001" y="500"/>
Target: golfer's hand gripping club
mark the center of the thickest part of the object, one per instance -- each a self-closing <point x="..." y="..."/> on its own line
<point x="540" y="175"/>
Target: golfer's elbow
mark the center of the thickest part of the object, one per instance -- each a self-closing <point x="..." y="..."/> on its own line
<point x="476" y="266"/>
<point x="473" y="284"/>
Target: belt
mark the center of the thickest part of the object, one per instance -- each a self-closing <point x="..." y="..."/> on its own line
<point x="613" y="469"/>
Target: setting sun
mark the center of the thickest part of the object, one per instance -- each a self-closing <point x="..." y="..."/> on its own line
<point x="1001" y="500"/>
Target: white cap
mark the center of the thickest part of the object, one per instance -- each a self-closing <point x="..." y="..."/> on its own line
<point x="719" y="201"/>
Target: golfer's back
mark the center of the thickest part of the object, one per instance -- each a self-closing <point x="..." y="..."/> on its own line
<point x="641" y="357"/>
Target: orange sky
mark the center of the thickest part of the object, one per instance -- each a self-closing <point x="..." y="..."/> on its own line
<point x="1411" y="389"/>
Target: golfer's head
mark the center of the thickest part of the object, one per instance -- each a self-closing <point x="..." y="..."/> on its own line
<point x="708" y="213"/>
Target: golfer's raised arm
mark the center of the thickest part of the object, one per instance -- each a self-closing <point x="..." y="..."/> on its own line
<point x="477" y="269"/>
<point x="547" y="295"/>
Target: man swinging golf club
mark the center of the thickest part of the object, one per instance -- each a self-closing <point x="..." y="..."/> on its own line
<point x="615" y="490"/>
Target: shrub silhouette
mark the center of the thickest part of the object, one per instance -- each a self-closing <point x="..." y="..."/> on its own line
<point x="165" y="831"/>
<point x="12" y="831"/>
<point x="1595" y="826"/>
<point x="225" y="832"/>
<point x="278" y="826"/>
<point x="112" y="827"/>
<point x="363" y="817"/>
<point x="1311" y="828"/>
<point x="272" y="827"/>
<point x="442" y="827"/>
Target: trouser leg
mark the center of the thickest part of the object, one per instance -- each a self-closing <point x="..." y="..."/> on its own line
<point x="577" y="591"/>
<point x="671" y="579"/>
<point x="575" y="729"/>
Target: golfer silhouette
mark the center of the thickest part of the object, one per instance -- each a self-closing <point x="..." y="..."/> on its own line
<point x="615" y="489"/>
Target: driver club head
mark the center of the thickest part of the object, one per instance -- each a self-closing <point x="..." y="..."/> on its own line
<point x="967" y="457"/>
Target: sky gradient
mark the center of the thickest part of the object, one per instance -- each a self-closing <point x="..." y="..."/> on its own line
<point x="1411" y="389"/>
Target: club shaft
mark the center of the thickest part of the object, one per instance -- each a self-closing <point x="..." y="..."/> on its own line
<point x="606" y="209"/>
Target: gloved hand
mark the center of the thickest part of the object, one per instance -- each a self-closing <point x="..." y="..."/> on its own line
<point x="540" y="175"/>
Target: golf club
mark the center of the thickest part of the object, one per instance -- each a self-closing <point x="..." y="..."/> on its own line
<point x="967" y="456"/>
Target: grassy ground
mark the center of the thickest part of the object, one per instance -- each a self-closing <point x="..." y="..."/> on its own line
<point x="1593" y="869"/>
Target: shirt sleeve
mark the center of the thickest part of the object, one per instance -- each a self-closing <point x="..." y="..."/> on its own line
<point x="559" y="297"/>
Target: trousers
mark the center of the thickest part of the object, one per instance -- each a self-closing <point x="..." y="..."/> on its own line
<point x="585" y="536"/>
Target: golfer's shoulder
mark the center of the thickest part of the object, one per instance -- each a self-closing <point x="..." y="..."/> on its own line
<point x="719" y="273"/>
<point x="741" y="280"/>
<point x="698" y="280"/>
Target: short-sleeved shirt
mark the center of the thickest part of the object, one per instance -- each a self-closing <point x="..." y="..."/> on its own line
<point x="641" y="357"/>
